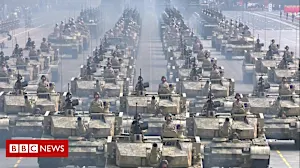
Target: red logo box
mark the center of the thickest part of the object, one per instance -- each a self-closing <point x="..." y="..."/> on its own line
<point x="37" y="148"/>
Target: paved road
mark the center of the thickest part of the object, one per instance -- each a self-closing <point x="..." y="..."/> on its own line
<point x="268" y="25"/>
<point x="150" y="55"/>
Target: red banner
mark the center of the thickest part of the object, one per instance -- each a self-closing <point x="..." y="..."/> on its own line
<point x="291" y="9"/>
<point x="37" y="148"/>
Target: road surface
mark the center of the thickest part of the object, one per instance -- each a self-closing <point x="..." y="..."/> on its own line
<point x="150" y="54"/>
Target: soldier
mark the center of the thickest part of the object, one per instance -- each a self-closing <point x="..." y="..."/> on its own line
<point x="274" y="47"/>
<point x="237" y="106"/>
<point x="3" y="72"/>
<point x="44" y="45"/>
<point x="33" y="51"/>
<point x="81" y="129"/>
<point x="28" y="43"/>
<point x="28" y="104"/>
<point x="225" y="131"/>
<point x="43" y="86"/>
<point x="2" y="58"/>
<point x="258" y="46"/>
<point x="284" y="87"/>
<point x="16" y="50"/>
<point x="115" y="61"/>
<point x="56" y="30"/>
<point x="163" y="87"/>
<point x="169" y="129"/>
<point x="153" y="107"/>
<point x="269" y="54"/>
<point x="215" y="73"/>
<point x="194" y="74"/>
<point x="109" y="71"/>
<point x="96" y="105"/>
<point x="52" y="87"/>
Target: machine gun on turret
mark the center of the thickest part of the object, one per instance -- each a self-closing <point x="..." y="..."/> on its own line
<point x="20" y="85"/>
<point x="140" y="87"/>
<point x="261" y="86"/>
<point x="89" y="69"/>
<point x="69" y="102"/>
<point x="137" y="127"/>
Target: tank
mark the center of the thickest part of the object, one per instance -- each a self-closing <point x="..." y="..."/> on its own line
<point x="285" y="126"/>
<point x="169" y="103"/>
<point x="221" y="105"/>
<point x="27" y="125"/>
<point x="225" y="135"/>
<point x="238" y="47"/>
<point x="4" y="130"/>
<point x="86" y="132"/>
<point x="171" y="149"/>
<point x="206" y="30"/>
<point x="67" y="45"/>
<point x="250" y="58"/>
<point x="13" y="104"/>
<point x="54" y="59"/>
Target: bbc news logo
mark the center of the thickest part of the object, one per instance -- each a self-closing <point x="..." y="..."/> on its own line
<point x="37" y="148"/>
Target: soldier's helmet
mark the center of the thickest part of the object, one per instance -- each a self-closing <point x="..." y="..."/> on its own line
<point x="168" y="117"/>
<point x="140" y="78"/>
<point x="258" y="40"/>
<point x="29" y="39"/>
<point x="44" y="39"/>
<point x="163" y="78"/>
<point x="17" y="45"/>
<point x="43" y="77"/>
<point x="96" y="95"/>
<point x="284" y="79"/>
<point x="286" y="47"/>
<point x="237" y="96"/>
<point x="215" y="66"/>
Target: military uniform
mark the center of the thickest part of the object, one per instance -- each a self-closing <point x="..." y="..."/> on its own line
<point x="284" y="88"/>
<point x="169" y="129"/>
<point x="164" y="88"/>
<point x="43" y="86"/>
<point x="44" y="46"/>
<point x="33" y="52"/>
<point x="109" y="72"/>
<point x="96" y="106"/>
<point x="225" y="131"/>
<point x="215" y="73"/>
<point x="238" y="107"/>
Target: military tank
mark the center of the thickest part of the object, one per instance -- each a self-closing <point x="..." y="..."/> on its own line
<point x="249" y="63"/>
<point x="165" y="101"/>
<point x="4" y="130"/>
<point x="54" y="60"/>
<point x="238" y="47"/>
<point x="172" y="148"/>
<point x="223" y="134"/>
<point x="285" y="123"/>
<point x="66" y="44"/>
<point x="86" y="134"/>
